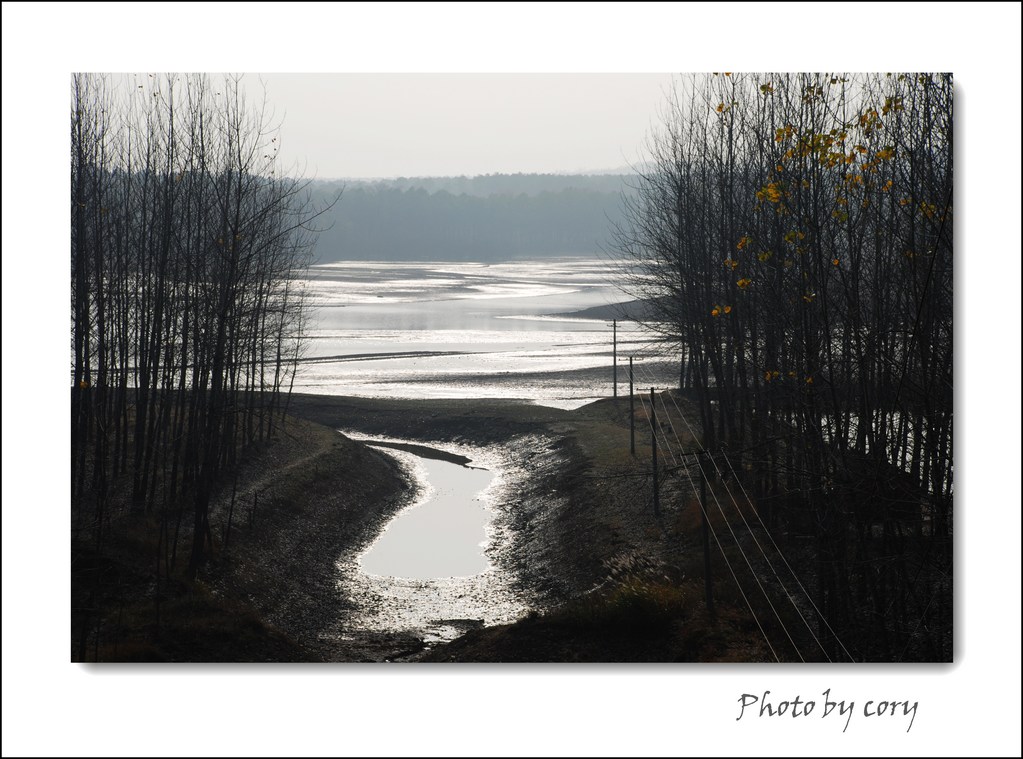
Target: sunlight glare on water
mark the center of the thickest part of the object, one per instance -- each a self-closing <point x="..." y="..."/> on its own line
<point x="463" y="330"/>
<point x="441" y="536"/>
<point x="430" y="572"/>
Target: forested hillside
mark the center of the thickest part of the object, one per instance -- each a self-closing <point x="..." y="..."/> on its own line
<point x="485" y="218"/>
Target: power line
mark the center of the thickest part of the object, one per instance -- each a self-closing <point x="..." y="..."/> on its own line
<point x="757" y="542"/>
<point x="788" y="566"/>
<point x="763" y="553"/>
<point x="761" y="549"/>
<point x="738" y="545"/>
<point x="731" y="571"/>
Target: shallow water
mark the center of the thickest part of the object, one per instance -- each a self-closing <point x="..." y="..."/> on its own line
<point x="463" y="330"/>
<point x="443" y="535"/>
<point x="431" y="571"/>
<point x="455" y="330"/>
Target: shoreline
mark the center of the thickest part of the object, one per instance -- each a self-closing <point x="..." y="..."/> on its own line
<point x="423" y="451"/>
<point x="547" y="560"/>
<point x="292" y="573"/>
<point x="576" y="508"/>
<point x="579" y="508"/>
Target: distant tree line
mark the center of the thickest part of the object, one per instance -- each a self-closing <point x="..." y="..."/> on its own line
<point x="520" y="216"/>
<point x="485" y="185"/>
<point x="185" y="317"/>
<point x="794" y="236"/>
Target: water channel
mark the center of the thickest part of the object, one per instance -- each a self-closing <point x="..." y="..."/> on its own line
<point x="431" y="570"/>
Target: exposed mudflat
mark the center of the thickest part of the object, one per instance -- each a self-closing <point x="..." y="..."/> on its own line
<point x="572" y="505"/>
<point x="571" y="527"/>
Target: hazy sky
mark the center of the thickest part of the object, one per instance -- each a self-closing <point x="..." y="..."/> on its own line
<point x="385" y="125"/>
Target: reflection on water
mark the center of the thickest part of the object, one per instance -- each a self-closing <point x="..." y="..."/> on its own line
<point x="440" y="536"/>
<point x="456" y="330"/>
<point x="431" y="572"/>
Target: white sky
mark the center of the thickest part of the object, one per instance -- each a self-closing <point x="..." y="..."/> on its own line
<point x="970" y="708"/>
<point x="386" y="125"/>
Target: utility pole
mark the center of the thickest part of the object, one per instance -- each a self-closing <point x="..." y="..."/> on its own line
<point x="632" y="413"/>
<point x="614" y="354"/>
<point x="708" y="587"/>
<point x="653" y="446"/>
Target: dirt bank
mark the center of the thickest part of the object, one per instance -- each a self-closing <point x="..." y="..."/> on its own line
<point x="558" y="546"/>
<point x="316" y="496"/>
<point x="269" y="587"/>
<point x="576" y="506"/>
<point x="580" y="507"/>
<point x="615" y="580"/>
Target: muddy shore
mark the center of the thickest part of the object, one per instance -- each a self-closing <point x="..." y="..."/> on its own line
<point x="580" y="508"/>
<point x="320" y="496"/>
<point x="562" y="466"/>
<point x="582" y="546"/>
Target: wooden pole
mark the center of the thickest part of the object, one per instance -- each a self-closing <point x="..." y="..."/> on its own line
<point x="614" y="354"/>
<point x="653" y="446"/>
<point x="632" y="413"/>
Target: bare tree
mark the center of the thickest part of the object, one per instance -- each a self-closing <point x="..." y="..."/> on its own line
<point x="793" y="233"/>
<point x="187" y="235"/>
